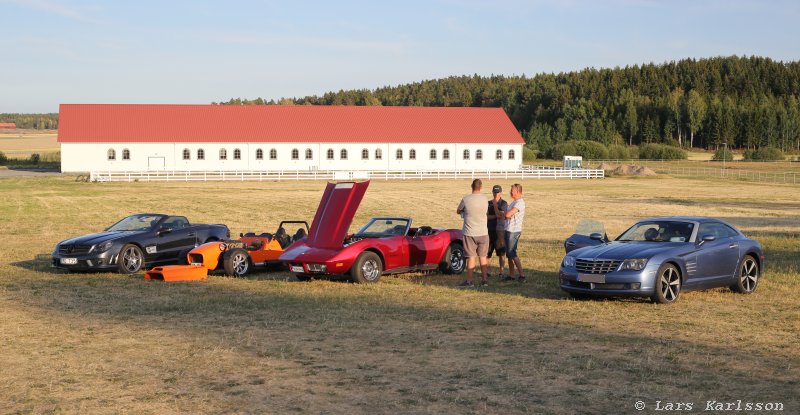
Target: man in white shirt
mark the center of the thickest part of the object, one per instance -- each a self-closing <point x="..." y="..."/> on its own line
<point x="514" y="215"/>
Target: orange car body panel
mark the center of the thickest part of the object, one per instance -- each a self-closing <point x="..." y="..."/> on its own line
<point x="169" y="273"/>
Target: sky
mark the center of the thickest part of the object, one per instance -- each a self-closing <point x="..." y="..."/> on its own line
<point x="198" y="51"/>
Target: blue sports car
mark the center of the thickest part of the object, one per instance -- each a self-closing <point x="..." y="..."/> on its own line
<point x="660" y="258"/>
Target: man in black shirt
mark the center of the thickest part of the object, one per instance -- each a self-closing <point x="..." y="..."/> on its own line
<point x="495" y="227"/>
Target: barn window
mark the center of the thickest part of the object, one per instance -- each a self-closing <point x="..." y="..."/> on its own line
<point x="511" y="154"/>
<point x="399" y="154"/>
<point x="273" y="154"/>
<point x="378" y="154"/>
<point x="343" y="154"/>
<point x="445" y="154"/>
<point x="295" y="154"/>
<point x="478" y="154"/>
<point x="126" y="154"/>
<point x="466" y="154"/>
<point x="201" y="154"/>
<point x="237" y="154"/>
<point x="259" y="154"/>
<point x="498" y="155"/>
<point x="112" y="155"/>
<point x="330" y="154"/>
<point x="433" y="154"/>
<point x="309" y="154"/>
<point x="223" y="154"/>
<point x="412" y="154"/>
<point x="365" y="154"/>
<point x="187" y="155"/>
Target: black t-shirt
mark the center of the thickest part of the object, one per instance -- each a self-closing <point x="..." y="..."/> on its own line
<point x="491" y="224"/>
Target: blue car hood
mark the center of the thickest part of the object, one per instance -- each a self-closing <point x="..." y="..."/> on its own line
<point x="625" y="250"/>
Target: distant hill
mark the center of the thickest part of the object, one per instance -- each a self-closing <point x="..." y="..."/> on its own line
<point x="743" y="101"/>
<point x="32" y="121"/>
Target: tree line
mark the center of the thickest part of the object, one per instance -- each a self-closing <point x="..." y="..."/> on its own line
<point x="32" y="121"/>
<point x="744" y="102"/>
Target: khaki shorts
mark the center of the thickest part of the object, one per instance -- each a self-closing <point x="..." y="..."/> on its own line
<point x="476" y="245"/>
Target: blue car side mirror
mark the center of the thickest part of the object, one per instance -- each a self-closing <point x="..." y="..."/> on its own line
<point x="707" y="238"/>
<point x="596" y="236"/>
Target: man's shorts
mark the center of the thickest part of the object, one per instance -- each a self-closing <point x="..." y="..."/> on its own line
<point x="476" y="245"/>
<point x="512" y="239"/>
<point x="496" y="243"/>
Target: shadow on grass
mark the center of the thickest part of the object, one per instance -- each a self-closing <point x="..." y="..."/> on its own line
<point x="389" y="348"/>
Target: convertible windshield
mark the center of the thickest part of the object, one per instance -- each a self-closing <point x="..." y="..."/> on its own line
<point x="380" y="227"/>
<point x="659" y="231"/>
<point x="136" y="223"/>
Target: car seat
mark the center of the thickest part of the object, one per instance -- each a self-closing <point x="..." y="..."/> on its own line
<point x="300" y="234"/>
<point x="282" y="237"/>
<point x="651" y="234"/>
<point x="250" y="234"/>
<point x="424" y="231"/>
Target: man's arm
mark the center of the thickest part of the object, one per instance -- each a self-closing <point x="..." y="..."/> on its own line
<point x="511" y="213"/>
<point x="460" y="207"/>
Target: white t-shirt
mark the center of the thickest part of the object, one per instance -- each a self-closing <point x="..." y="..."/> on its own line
<point x="514" y="223"/>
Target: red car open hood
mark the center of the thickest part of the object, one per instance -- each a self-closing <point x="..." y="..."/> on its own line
<point x="335" y="214"/>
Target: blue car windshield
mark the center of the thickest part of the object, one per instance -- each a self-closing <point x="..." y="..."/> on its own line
<point x="136" y="223"/>
<point x="659" y="231"/>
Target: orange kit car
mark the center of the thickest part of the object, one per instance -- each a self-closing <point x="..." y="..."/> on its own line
<point x="236" y="258"/>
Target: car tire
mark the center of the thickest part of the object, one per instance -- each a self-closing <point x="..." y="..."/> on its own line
<point x="747" y="277"/>
<point x="367" y="268"/>
<point x="236" y="262"/>
<point x="183" y="257"/>
<point x="130" y="259"/>
<point x="668" y="285"/>
<point x="454" y="260"/>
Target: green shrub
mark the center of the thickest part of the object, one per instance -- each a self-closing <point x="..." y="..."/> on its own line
<point x="661" y="152"/>
<point x="563" y="149"/>
<point x="765" y="154"/>
<point x="671" y="142"/>
<point x="633" y="151"/>
<point x="528" y="153"/>
<point x="3" y="158"/>
<point x="722" y="154"/>
<point x="618" y="152"/>
<point x="35" y="158"/>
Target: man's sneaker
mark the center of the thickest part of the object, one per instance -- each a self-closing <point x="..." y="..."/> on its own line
<point x="484" y="283"/>
<point x="466" y="284"/>
<point x="508" y="278"/>
<point x="521" y="278"/>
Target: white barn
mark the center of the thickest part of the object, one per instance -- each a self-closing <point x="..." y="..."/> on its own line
<point x="136" y="138"/>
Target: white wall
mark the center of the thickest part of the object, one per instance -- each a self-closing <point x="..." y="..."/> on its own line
<point x="85" y="157"/>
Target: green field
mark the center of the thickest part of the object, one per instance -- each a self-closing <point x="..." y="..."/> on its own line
<point x="106" y="343"/>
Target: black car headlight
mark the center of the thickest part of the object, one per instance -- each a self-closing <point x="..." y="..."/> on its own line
<point x="569" y="261"/>
<point x="633" y="264"/>
<point x="103" y="247"/>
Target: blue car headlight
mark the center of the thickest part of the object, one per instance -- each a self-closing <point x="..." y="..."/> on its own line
<point x="633" y="264"/>
<point x="103" y="247"/>
<point x="569" y="261"/>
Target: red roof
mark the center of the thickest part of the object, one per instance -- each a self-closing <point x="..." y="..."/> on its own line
<point x="103" y="123"/>
<point x="8" y="125"/>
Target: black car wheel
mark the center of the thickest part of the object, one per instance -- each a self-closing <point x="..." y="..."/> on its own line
<point x="747" y="280"/>
<point x="131" y="259"/>
<point x="236" y="262"/>
<point x="454" y="261"/>
<point x="367" y="268"/>
<point x="303" y="277"/>
<point x="668" y="285"/>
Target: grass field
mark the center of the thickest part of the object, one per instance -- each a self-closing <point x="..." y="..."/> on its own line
<point x="20" y="143"/>
<point x="105" y="343"/>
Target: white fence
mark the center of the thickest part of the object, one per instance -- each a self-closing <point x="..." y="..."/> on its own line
<point x="187" y="176"/>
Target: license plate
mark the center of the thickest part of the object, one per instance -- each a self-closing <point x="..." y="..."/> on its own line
<point x="69" y="261"/>
<point x="297" y="268"/>
<point x="596" y="278"/>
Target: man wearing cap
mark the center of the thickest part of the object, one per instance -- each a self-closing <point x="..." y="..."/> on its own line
<point x="476" y="235"/>
<point x="496" y="228"/>
<point x="514" y="215"/>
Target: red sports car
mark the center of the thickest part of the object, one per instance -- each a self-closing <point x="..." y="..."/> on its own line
<point x="385" y="245"/>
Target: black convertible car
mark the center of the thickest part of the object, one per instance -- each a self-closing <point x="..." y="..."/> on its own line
<point x="135" y="242"/>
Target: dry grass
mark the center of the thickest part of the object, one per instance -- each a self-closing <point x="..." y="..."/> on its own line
<point x="23" y="143"/>
<point x="411" y="344"/>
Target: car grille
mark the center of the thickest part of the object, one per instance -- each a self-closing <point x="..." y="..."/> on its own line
<point x="71" y="249"/>
<point x="600" y="266"/>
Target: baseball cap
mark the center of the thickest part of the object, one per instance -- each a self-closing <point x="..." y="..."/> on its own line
<point x="497" y="189"/>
